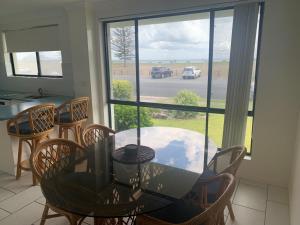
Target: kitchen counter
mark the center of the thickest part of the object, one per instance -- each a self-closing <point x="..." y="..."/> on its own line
<point x="23" y="101"/>
<point x="11" y="104"/>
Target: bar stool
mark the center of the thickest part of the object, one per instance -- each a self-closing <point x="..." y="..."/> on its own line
<point x="70" y="116"/>
<point x="31" y="126"/>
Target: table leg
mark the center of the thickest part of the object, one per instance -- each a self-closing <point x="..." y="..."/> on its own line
<point x="139" y="175"/>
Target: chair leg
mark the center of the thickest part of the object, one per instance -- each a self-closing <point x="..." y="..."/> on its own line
<point x="66" y="133"/>
<point x="19" y="159"/>
<point x="45" y="214"/>
<point x="229" y="206"/>
<point x="33" y="147"/>
<point x="77" y="134"/>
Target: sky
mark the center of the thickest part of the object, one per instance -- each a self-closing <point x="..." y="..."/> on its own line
<point x="183" y="40"/>
<point x="49" y="55"/>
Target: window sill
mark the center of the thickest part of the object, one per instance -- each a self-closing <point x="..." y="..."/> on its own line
<point x="36" y="77"/>
<point x="248" y="157"/>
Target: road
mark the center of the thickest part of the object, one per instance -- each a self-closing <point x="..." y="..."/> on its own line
<point x="168" y="87"/>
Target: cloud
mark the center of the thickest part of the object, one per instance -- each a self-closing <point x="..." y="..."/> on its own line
<point x="172" y="39"/>
<point x="175" y="36"/>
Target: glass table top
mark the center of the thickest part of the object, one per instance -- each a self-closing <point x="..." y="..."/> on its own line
<point x="91" y="183"/>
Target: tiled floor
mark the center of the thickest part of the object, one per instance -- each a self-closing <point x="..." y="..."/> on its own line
<point x="253" y="204"/>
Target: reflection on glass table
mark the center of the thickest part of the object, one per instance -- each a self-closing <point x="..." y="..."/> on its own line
<point x="176" y="147"/>
<point x="90" y="183"/>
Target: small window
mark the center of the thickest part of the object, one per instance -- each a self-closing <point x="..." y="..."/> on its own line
<point x="25" y="63"/>
<point x="51" y="63"/>
<point x="37" y="64"/>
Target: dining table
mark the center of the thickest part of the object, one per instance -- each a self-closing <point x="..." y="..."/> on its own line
<point x="107" y="182"/>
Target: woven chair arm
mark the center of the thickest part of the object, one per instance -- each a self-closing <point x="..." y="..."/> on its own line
<point x="148" y="220"/>
<point x="17" y="119"/>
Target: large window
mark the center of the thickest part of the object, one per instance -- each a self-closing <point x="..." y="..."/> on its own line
<point x="36" y="64"/>
<point x="171" y="71"/>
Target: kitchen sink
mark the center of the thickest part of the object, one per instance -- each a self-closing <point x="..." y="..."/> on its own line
<point x="36" y="96"/>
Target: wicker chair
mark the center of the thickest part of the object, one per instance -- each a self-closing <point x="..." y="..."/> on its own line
<point x="225" y="161"/>
<point x="95" y="133"/>
<point x="31" y="126"/>
<point x="70" y="116"/>
<point x="194" y="208"/>
<point x="46" y="154"/>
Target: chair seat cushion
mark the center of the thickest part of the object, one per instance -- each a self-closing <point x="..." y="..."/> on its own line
<point x="24" y="128"/>
<point x="178" y="212"/>
<point x="65" y="117"/>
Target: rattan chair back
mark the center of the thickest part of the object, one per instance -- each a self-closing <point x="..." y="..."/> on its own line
<point x="95" y="133"/>
<point x="230" y="158"/>
<point x="49" y="152"/>
<point x="40" y="120"/>
<point x="76" y="108"/>
<point x="213" y="214"/>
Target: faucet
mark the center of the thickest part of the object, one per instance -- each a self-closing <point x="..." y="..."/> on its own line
<point x="41" y="92"/>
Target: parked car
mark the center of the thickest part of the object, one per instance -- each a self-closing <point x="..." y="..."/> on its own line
<point x="160" y="72"/>
<point x="191" y="72"/>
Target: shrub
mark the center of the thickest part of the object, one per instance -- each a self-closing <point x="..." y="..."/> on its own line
<point x="146" y="117"/>
<point x="126" y="117"/>
<point x="122" y="89"/>
<point x="186" y="97"/>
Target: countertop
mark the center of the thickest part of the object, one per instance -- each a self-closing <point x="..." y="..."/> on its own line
<point x="23" y="101"/>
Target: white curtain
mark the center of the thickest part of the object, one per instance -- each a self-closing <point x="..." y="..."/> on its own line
<point x="33" y="39"/>
<point x="240" y="71"/>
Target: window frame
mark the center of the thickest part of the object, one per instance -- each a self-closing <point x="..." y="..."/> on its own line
<point x="137" y="103"/>
<point x="38" y="63"/>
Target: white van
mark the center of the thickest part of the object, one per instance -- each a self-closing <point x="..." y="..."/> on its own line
<point x="190" y="72"/>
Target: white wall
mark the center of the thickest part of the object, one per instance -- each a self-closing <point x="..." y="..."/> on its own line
<point x="82" y="30"/>
<point x="277" y="102"/>
<point x="295" y="182"/>
<point x="62" y="86"/>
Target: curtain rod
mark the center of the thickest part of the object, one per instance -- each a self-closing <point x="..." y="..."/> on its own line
<point x="179" y="10"/>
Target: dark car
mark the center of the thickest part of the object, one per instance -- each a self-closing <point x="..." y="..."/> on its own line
<point x="160" y="72"/>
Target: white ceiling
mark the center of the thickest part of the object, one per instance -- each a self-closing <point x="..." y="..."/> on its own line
<point x="10" y="7"/>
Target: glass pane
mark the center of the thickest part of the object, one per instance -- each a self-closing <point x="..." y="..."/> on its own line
<point x="178" y="137"/>
<point x="121" y="50"/>
<point x="251" y="97"/>
<point x="248" y="133"/>
<point x="221" y="57"/>
<point x="194" y="121"/>
<point x="124" y="118"/>
<point x="51" y="63"/>
<point x="25" y="63"/>
<point x="215" y="128"/>
<point x="173" y="54"/>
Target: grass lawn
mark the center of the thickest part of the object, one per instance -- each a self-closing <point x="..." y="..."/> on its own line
<point x="215" y="127"/>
